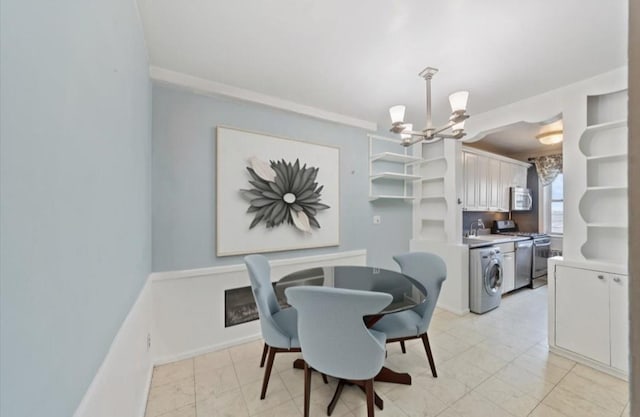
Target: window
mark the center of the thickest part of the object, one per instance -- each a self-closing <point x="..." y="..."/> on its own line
<point x="556" y="205"/>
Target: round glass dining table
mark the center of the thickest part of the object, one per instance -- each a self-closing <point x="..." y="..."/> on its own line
<point x="407" y="293"/>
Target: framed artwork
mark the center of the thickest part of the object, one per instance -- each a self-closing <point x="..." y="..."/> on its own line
<point x="274" y="194"/>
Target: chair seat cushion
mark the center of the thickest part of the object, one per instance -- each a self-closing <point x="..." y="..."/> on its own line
<point x="287" y="321"/>
<point x="400" y="324"/>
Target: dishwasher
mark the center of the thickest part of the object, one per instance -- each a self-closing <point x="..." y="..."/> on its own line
<point x="523" y="262"/>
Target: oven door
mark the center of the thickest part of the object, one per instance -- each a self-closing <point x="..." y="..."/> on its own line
<point x="541" y="252"/>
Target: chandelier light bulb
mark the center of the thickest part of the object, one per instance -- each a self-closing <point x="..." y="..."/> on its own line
<point x="458" y="101"/>
<point x="397" y="114"/>
<point x="408" y="127"/>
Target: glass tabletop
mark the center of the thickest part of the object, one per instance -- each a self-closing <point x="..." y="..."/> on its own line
<point x="406" y="291"/>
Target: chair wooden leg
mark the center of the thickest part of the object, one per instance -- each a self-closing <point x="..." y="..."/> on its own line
<point x="307" y="389"/>
<point x="427" y="348"/>
<point x="267" y="372"/>
<point x="336" y="396"/>
<point x="368" y="386"/>
<point x="403" y="347"/>
<point x="265" y="350"/>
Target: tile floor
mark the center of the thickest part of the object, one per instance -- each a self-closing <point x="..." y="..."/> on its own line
<point x="493" y="365"/>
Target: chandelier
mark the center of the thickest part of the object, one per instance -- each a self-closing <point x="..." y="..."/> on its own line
<point x="431" y="134"/>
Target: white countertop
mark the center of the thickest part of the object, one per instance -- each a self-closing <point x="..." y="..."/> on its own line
<point x="485" y="240"/>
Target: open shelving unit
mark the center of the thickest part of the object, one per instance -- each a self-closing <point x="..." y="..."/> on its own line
<point x="603" y="206"/>
<point x="391" y="173"/>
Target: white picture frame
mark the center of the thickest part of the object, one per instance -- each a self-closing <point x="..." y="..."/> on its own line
<point x="234" y="150"/>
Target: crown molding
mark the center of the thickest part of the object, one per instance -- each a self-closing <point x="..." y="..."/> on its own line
<point x="207" y="87"/>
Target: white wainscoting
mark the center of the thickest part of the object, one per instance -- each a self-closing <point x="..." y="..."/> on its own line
<point x="121" y="385"/>
<point x="189" y="305"/>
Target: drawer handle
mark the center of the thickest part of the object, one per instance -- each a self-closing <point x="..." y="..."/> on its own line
<point x="600" y="276"/>
<point x="616" y="279"/>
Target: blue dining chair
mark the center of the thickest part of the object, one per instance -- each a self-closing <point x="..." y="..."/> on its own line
<point x="335" y="340"/>
<point x="431" y="271"/>
<point x="279" y="326"/>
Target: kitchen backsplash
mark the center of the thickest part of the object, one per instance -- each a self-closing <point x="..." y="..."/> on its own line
<point x="487" y="217"/>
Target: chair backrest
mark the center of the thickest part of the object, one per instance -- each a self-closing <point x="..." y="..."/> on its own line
<point x="431" y="271"/>
<point x="332" y="333"/>
<point x="266" y="301"/>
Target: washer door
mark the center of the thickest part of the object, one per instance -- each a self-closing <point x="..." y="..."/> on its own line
<point x="493" y="277"/>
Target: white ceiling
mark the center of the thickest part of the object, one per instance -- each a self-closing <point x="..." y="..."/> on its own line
<point x="519" y="140"/>
<point x="359" y="57"/>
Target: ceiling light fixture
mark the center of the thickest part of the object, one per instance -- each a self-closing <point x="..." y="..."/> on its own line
<point x="550" y="138"/>
<point x="431" y="134"/>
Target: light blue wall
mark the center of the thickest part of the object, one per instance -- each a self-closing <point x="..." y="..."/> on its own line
<point x="184" y="200"/>
<point x="75" y="147"/>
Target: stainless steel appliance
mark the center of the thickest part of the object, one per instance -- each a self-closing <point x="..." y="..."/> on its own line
<point x="531" y="255"/>
<point x="521" y="199"/>
<point x="485" y="279"/>
<point x="524" y="255"/>
<point x="541" y="251"/>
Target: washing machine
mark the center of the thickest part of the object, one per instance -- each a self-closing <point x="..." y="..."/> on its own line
<point x="485" y="279"/>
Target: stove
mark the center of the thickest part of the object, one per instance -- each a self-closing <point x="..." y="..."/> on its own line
<point x="540" y="251"/>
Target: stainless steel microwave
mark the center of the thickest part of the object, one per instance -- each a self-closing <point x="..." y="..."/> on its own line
<point x="521" y="199"/>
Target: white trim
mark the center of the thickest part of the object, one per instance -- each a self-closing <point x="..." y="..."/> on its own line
<point x="203" y="86"/>
<point x="476" y="151"/>
<point x="207" y="349"/>
<point x="218" y="270"/>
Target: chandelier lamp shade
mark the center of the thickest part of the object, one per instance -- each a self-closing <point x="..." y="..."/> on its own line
<point x="458" y="101"/>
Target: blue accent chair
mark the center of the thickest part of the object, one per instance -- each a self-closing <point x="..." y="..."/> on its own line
<point x="335" y="340"/>
<point x="431" y="271"/>
<point x="279" y="326"/>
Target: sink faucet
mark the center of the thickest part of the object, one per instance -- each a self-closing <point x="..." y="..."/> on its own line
<point x="478" y="224"/>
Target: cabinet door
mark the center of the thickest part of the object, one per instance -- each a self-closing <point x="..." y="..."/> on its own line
<point x="505" y="183"/>
<point x="519" y="176"/>
<point x="582" y="312"/>
<point x="470" y="169"/>
<point x="483" y="182"/>
<point x="619" y="322"/>
<point x="509" y="272"/>
<point x="494" y="184"/>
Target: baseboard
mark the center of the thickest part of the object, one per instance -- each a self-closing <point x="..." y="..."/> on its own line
<point x="589" y="362"/>
<point x="456" y="311"/>
<point x="206" y="349"/>
<point x="121" y="385"/>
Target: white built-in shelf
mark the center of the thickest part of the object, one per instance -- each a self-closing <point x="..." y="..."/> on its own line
<point x="607" y="187"/>
<point x="609" y="156"/>
<point x="392" y="197"/>
<point x="426" y="161"/>
<point x="432" y="219"/>
<point x="429" y="179"/>
<point x="432" y="197"/>
<point x="394" y="176"/>
<point x="395" y="157"/>
<point x="608" y="225"/>
<point x="604" y="126"/>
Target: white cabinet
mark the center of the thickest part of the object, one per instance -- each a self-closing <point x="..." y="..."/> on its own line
<point x="509" y="272"/>
<point x="483" y="183"/>
<point x="487" y="179"/>
<point x="494" y="184"/>
<point x="591" y="315"/>
<point x="619" y="302"/>
<point x="470" y="181"/>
